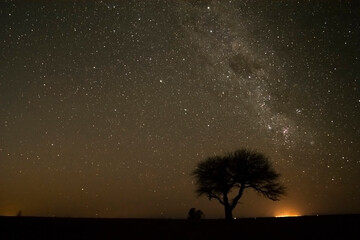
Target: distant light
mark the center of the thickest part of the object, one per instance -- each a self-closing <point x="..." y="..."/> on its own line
<point x="288" y="215"/>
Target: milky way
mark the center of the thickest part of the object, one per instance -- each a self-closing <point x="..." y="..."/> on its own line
<point x="106" y="107"/>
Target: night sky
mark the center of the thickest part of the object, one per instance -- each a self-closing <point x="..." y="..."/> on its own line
<point x="106" y="107"/>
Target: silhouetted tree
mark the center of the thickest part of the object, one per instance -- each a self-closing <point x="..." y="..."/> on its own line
<point x="199" y="214"/>
<point x="19" y="213"/>
<point x="217" y="176"/>
<point x="195" y="214"/>
<point x="191" y="214"/>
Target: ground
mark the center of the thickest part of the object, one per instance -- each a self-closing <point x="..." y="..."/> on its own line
<point x="311" y="227"/>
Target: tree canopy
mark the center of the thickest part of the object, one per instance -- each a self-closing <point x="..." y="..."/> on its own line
<point x="217" y="176"/>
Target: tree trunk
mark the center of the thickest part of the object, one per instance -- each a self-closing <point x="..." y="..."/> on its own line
<point x="228" y="213"/>
<point x="228" y="209"/>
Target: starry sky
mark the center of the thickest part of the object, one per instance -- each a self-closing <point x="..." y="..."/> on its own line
<point x="107" y="106"/>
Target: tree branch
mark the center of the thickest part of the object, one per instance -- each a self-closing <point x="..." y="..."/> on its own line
<point x="211" y="195"/>
<point x="238" y="196"/>
<point x="272" y="191"/>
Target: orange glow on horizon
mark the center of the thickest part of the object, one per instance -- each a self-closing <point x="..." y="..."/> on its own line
<point x="288" y="213"/>
<point x="8" y="214"/>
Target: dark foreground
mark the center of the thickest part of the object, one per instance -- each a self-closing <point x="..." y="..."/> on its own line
<point x="321" y="227"/>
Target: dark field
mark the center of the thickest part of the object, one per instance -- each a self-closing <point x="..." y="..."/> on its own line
<point x="311" y="227"/>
